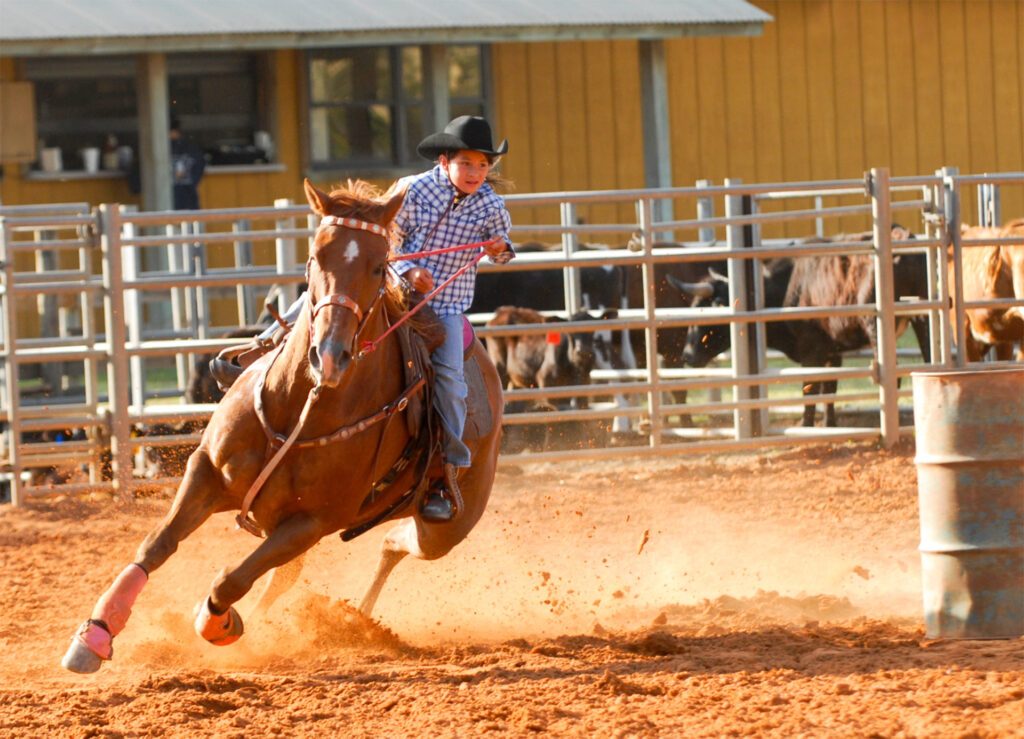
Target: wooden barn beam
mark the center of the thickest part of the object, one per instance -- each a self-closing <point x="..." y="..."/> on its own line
<point x="655" y="124"/>
<point x="435" y="82"/>
<point x="154" y="132"/>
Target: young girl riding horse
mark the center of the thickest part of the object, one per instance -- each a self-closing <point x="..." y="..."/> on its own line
<point x="449" y="205"/>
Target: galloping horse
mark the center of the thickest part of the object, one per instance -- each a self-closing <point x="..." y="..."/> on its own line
<point x="343" y="408"/>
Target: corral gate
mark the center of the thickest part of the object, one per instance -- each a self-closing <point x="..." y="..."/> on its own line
<point x="111" y="325"/>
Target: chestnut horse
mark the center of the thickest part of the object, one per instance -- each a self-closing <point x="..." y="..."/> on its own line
<point x="317" y="387"/>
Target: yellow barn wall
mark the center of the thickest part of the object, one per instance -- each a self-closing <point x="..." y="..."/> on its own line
<point x="830" y="89"/>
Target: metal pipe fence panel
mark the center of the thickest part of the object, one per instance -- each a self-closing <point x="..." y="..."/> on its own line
<point x="163" y="263"/>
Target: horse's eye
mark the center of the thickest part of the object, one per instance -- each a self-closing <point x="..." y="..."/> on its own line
<point x="378" y="270"/>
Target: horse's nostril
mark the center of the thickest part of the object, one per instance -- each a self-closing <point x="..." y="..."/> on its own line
<point x="314" y="358"/>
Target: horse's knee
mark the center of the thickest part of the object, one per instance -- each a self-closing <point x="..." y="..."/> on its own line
<point x="156" y="549"/>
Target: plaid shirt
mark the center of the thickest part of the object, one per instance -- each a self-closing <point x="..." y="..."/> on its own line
<point x="430" y="219"/>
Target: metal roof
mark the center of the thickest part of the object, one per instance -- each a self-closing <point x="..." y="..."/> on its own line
<point x="43" y="27"/>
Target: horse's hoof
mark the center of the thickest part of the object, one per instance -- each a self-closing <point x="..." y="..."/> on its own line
<point x="222" y="629"/>
<point x="89" y="647"/>
<point x="79" y="658"/>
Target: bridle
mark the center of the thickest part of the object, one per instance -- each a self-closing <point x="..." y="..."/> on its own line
<point x="340" y="300"/>
<point x="284" y="444"/>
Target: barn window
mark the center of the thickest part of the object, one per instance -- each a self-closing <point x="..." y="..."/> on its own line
<point x="81" y="101"/>
<point x="369" y="107"/>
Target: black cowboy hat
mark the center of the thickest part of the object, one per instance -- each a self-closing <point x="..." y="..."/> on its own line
<point x="465" y="132"/>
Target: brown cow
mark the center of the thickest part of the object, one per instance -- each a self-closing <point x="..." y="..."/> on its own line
<point x="557" y="359"/>
<point x="991" y="273"/>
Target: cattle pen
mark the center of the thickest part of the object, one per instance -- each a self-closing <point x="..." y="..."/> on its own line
<point x="105" y="310"/>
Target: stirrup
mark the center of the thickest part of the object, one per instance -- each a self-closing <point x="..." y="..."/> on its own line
<point x="443" y="502"/>
<point x="436" y="507"/>
<point x="451" y="483"/>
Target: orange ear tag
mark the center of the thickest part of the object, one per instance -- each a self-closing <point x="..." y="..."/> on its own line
<point x="553" y="337"/>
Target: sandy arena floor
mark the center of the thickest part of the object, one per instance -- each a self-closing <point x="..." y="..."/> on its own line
<point x="773" y="594"/>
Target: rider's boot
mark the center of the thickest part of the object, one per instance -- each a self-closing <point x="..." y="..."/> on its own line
<point x="443" y="502"/>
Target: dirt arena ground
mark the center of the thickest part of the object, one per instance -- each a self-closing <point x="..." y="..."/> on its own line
<point x="773" y="594"/>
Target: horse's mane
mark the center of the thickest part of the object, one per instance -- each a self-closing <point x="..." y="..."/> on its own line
<point x="359" y="199"/>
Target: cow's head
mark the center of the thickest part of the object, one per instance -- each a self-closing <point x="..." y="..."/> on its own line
<point x="705" y="342"/>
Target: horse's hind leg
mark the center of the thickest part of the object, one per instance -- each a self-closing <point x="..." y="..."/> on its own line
<point x="434" y="540"/>
<point x="279" y="581"/>
<point x="216" y="620"/>
<point x="399" y="541"/>
<point x="197" y="498"/>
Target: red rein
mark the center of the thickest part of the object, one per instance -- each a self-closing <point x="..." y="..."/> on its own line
<point x="368" y="346"/>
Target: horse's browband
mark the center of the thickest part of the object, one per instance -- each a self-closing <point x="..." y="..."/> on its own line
<point x="354" y="223"/>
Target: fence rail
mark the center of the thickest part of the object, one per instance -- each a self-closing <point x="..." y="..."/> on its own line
<point x="141" y="281"/>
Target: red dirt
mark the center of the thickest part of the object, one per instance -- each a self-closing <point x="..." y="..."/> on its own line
<point x="772" y="594"/>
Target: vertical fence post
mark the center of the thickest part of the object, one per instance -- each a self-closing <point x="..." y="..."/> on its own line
<point x="951" y="202"/>
<point x="244" y="294"/>
<point x="645" y="215"/>
<point x="180" y="309"/>
<point x="935" y="267"/>
<point x="885" y="314"/>
<point x="988" y="205"/>
<point x="117" y="359"/>
<point x="199" y="258"/>
<point x="129" y="259"/>
<point x="995" y="208"/>
<point x="738" y="332"/>
<point x="755" y="289"/>
<point x="705" y="210"/>
<point x="570" y="245"/>
<point x="90" y="372"/>
<point x="11" y="371"/>
<point x="706" y="234"/>
<point x="284" y="258"/>
<point x="47" y="305"/>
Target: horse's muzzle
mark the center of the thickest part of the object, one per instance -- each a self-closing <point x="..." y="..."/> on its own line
<point x="328" y="362"/>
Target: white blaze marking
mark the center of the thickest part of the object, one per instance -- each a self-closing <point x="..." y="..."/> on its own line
<point x="351" y="251"/>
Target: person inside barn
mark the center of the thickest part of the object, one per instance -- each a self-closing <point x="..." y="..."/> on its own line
<point x="451" y="204"/>
<point x="188" y="164"/>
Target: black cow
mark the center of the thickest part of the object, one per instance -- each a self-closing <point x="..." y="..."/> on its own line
<point x="544" y="289"/>
<point x="814" y="281"/>
<point x="671" y="340"/>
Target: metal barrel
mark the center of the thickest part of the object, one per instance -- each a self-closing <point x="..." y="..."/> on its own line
<point x="969" y="427"/>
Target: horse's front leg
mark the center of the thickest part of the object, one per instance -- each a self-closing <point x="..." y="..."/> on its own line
<point x="216" y="619"/>
<point x="200" y="495"/>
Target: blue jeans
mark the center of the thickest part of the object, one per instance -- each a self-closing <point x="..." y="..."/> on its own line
<point x="450" y="390"/>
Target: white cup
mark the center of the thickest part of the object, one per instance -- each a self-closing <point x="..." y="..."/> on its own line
<point x="50" y="159"/>
<point x="90" y="158"/>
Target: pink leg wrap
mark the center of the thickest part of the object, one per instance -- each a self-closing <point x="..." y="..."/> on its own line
<point x="115" y="606"/>
<point x="97" y="639"/>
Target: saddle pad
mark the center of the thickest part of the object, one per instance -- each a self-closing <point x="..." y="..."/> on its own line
<point x="479" y="419"/>
<point x="468" y="334"/>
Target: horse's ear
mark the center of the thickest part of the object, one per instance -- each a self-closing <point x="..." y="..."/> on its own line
<point x="393" y="200"/>
<point x="319" y="201"/>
